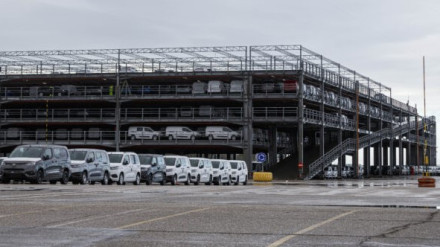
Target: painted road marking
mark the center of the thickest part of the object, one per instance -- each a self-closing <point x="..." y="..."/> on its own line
<point x="162" y="218"/>
<point x="97" y="217"/>
<point x="310" y="228"/>
<point x="34" y="211"/>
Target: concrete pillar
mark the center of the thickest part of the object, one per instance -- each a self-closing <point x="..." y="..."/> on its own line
<point x="366" y="161"/>
<point x="393" y="160"/>
<point x="385" y="155"/>
<point x="248" y="128"/>
<point x="273" y="145"/>
<point x="377" y="155"/>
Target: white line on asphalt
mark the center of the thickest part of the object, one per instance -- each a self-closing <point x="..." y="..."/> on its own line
<point x="310" y="228"/>
<point x="98" y="217"/>
<point x="34" y="211"/>
<point x="31" y="196"/>
<point x="162" y="218"/>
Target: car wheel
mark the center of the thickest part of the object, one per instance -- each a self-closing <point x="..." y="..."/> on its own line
<point x="210" y="181"/>
<point x="154" y="138"/>
<point x="65" y="177"/>
<point x="188" y="180"/>
<point x="84" y="178"/>
<point x="138" y="179"/>
<point x="233" y="138"/>
<point x="149" y="179"/>
<point x="210" y="138"/>
<point x="164" y="179"/>
<point x="245" y="181"/>
<point x="170" y="137"/>
<point x="198" y="180"/>
<point x="105" y="179"/>
<point x="132" y="138"/>
<point x="174" y="180"/>
<point x="193" y="138"/>
<point x="121" y="179"/>
<point x="39" y="178"/>
<point x="238" y="180"/>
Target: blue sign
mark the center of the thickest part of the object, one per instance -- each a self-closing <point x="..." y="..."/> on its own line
<point x="261" y="157"/>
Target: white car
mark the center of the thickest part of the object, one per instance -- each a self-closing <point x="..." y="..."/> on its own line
<point x="239" y="172"/>
<point x="142" y="132"/>
<point x="221" y="171"/>
<point x="201" y="171"/>
<point x="124" y="167"/>
<point x="221" y="132"/>
<point x="180" y="132"/>
<point x="178" y="169"/>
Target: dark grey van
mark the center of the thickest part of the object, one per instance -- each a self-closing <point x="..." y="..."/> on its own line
<point x="153" y="168"/>
<point x="37" y="163"/>
<point x="89" y="165"/>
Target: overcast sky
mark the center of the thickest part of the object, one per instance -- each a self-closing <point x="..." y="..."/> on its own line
<point x="382" y="39"/>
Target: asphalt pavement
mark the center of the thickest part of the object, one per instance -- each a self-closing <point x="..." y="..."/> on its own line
<point x="374" y="212"/>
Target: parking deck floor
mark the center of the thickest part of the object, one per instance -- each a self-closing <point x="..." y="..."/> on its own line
<point x="377" y="212"/>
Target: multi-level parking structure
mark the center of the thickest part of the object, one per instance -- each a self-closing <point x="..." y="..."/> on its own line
<point x="300" y="107"/>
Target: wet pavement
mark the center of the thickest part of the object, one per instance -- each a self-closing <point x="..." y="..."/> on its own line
<point x="373" y="212"/>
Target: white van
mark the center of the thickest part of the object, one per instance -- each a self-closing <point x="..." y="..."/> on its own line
<point x="180" y="132"/>
<point x="142" y="132"/>
<point x="236" y="86"/>
<point x="199" y="87"/>
<point x="201" y="171"/>
<point x="178" y="169"/>
<point x="124" y="167"/>
<point x="221" y="132"/>
<point x="221" y="171"/>
<point x="239" y="172"/>
<point x="216" y="87"/>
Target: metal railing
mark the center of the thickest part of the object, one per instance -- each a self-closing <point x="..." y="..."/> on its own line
<point x="275" y="113"/>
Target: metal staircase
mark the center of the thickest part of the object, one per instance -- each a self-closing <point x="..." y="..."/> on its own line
<point x="349" y="145"/>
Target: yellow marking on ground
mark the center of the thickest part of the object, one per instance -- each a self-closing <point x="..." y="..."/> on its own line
<point x="162" y="218"/>
<point x="308" y="229"/>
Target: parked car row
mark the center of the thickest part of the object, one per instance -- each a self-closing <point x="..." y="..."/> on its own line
<point x="211" y="133"/>
<point x="54" y="163"/>
<point x="183" y="132"/>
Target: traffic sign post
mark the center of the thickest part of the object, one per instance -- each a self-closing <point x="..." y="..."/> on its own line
<point x="261" y="157"/>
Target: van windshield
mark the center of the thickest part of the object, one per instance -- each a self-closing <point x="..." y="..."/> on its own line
<point x="27" y="152"/>
<point x="170" y="161"/>
<point x="215" y="164"/>
<point x="145" y="160"/>
<point x="194" y="163"/>
<point x="78" y="155"/>
<point x="234" y="165"/>
<point x="115" y="158"/>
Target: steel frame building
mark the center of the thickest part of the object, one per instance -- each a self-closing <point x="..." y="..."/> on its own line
<point x="333" y="109"/>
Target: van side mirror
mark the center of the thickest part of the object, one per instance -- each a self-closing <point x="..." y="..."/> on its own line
<point x="125" y="162"/>
<point x="201" y="166"/>
<point x="178" y="165"/>
<point x="154" y="164"/>
<point x="45" y="157"/>
<point x="89" y="160"/>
